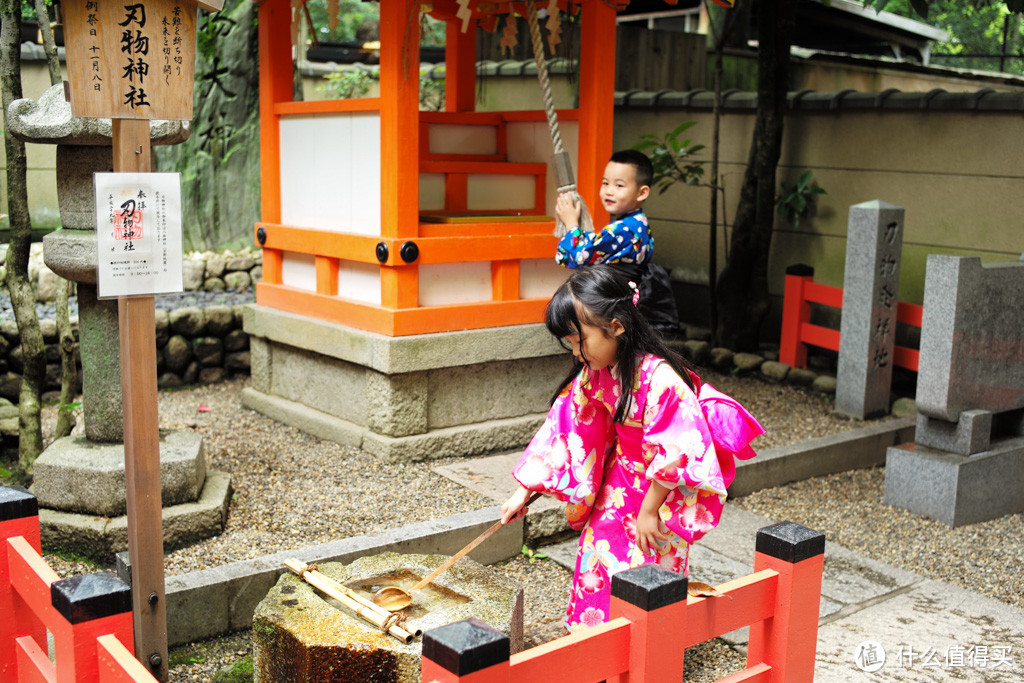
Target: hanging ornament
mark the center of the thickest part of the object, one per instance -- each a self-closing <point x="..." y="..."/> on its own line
<point x="508" y="36"/>
<point x="332" y="14"/>
<point x="297" y="7"/>
<point x="464" y="13"/>
<point x="553" y="25"/>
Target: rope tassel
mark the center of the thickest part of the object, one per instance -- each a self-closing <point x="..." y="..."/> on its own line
<point x="564" y="176"/>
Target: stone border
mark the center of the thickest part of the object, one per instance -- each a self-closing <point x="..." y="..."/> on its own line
<point x="222" y="599"/>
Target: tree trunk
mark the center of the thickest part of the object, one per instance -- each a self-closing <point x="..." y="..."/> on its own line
<point x="49" y="46"/>
<point x="727" y="29"/>
<point x="30" y="436"/>
<point x="743" y="285"/>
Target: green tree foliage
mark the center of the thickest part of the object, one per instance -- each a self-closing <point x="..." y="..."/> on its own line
<point x="982" y="27"/>
<point x="357" y="21"/>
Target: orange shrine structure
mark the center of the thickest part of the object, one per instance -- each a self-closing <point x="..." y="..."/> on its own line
<point x="408" y="255"/>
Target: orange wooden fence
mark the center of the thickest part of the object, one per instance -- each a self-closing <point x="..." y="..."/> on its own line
<point x="653" y="621"/>
<point x="89" y="617"/>
<point x="798" y="333"/>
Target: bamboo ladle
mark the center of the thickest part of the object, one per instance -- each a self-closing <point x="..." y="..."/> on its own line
<point x="394" y="598"/>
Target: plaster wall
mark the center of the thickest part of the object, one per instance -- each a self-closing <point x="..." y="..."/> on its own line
<point x="955" y="173"/>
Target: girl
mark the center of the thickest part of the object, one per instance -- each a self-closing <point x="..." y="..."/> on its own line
<point x="625" y="445"/>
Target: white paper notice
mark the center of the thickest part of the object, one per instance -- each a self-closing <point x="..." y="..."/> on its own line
<point x="138" y="233"/>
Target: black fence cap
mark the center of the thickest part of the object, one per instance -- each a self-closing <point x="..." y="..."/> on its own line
<point x="91" y="596"/>
<point x="16" y="502"/>
<point x="790" y="542"/>
<point x="466" y="646"/>
<point x="649" y="587"/>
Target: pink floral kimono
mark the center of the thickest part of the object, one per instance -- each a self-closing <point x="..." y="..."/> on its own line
<point x="602" y="471"/>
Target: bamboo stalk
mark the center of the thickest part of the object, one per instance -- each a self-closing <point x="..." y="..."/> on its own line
<point x="363" y="608"/>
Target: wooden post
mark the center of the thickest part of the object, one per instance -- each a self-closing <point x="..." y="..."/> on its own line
<point x="654" y="601"/>
<point x="597" y="102"/>
<point x="796" y="311"/>
<point x="467" y="651"/>
<point x="787" y="642"/>
<point x="137" y="322"/>
<point x="19" y="517"/>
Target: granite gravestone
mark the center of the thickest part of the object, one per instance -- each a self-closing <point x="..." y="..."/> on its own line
<point x="967" y="462"/>
<point x="867" y="333"/>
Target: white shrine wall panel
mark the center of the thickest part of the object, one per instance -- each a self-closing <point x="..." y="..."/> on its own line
<point x="298" y="270"/>
<point x="530" y="142"/>
<point x="455" y="283"/>
<point x="330" y="172"/>
<point x="448" y="138"/>
<point x="431" y="191"/>
<point x="359" y="282"/>
<point x="498" y="192"/>
<point x="539" y="278"/>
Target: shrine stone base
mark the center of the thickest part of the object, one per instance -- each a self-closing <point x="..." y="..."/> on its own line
<point x="403" y="398"/>
<point x="957" y="489"/>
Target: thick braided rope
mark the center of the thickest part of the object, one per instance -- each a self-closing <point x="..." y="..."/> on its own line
<point x="542" y="76"/>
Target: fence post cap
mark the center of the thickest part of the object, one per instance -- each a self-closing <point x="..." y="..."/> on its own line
<point x="649" y="587"/>
<point x="790" y="542"/>
<point x="90" y="596"/>
<point x="800" y="269"/>
<point x="466" y="646"/>
<point x="16" y="502"/>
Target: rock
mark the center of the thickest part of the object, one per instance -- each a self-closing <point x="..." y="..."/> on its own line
<point x="775" y="371"/>
<point x="698" y="333"/>
<point x="193" y="273"/>
<point x="9" y="329"/>
<point x="212" y="375"/>
<point x="191" y="373"/>
<point x="237" y="362"/>
<point x="236" y="340"/>
<point x="256" y="274"/>
<point x="238" y="263"/>
<point x="169" y="380"/>
<point x="293" y="626"/>
<point x="904" y="407"/>
<point x="177" y="354"/>
<point x="48" y="328"/>
<point x="238" y="280"/>
<point x="698" y="351"/>
<point x="747" y="362"/>
<point x="215" y="266"/>
<point x="3" y="254"/>
<point x="219" y="320"/>
<point x="163" y="328"/>
<point x="188" y="322"/>
<point x="17" y="359"/>
<point x="825" y="384"/>
<point x="214" y="284"/>
<point x="47" y="284"/>
<point x="801" y="377"/>
<point x="721" y="358"/>
<point x="208" y="351"/>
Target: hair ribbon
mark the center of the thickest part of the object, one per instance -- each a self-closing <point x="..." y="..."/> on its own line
<point x="636" y="292"/>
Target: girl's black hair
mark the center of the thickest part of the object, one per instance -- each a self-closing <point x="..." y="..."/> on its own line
<point x="596" y="295"/>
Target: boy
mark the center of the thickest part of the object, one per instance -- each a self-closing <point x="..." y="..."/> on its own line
<point x="626" y="242"/>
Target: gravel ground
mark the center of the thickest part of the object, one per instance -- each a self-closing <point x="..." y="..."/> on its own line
<point x="293" y="490"/>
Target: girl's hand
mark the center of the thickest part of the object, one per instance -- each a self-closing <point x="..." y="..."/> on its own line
<point x="650" y="531"/>
<point x="513" y="509"/>
<point x="568" y="209"/>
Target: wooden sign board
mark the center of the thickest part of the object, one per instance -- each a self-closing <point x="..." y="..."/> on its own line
<point x="130" y="59"/>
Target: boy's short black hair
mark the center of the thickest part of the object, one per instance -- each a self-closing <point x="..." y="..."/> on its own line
<point x="639" y="161"/>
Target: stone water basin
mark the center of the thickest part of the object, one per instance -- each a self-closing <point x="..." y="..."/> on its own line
<point x="299" y="634"/>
